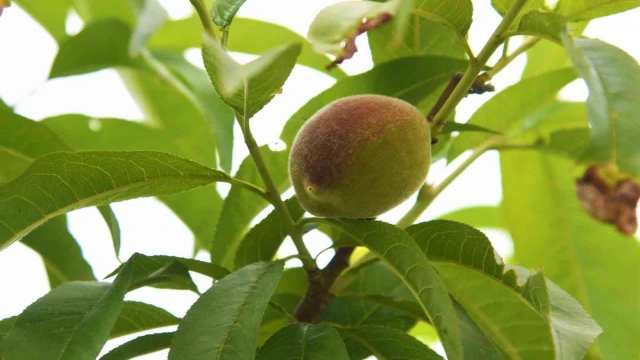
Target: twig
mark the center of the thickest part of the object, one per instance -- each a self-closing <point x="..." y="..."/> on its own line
<point x="428" y="193"/>
<point x="507" y="59"/>
<point x="205" y="17"/>
<point x="474" y="69"/>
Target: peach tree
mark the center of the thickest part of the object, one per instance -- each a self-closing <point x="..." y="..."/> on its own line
<point x="569" y="170"/>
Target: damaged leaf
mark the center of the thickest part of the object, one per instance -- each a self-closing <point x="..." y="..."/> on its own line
<point x="611" y="201"/>
<point x="335" y="28"/>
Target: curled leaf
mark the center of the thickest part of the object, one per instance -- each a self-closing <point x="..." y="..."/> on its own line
<point x="350" y="44"/>
<point x="335" y="28"/>
<point x="610" y="201"/>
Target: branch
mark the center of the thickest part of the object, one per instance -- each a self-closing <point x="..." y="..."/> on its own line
<point x="475" y="67"/>
<point x="205" y="17"/>
<point x="318" y="295"/>
<point x="507" y="59"/>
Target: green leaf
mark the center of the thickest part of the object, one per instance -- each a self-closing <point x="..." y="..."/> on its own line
<point x="517" y="311"/>
<point x="114" y="227"/>
<point x="52" y="15"/>
<point x="547" y="25"/>
<point x="22" y="141"/>
<point x="561" y="238"/>
<point x="60" y="252"/>
<point x="477" y="216"/>
<point x="548" y="56"/>
<point x="225" y="320"/>
<point x="544" y="57"/>
<point x="304" y="342"/>
<point x="452" y="126"/>
<point x="456" y="14"/>
<point x="6" y="325"/>
<point x="241" y="207"/>
<point x="219" y="115"/>
<point x="502" y="6"/>
<point x="340" y="22"/>
<point x="61" y="182"/>
<point x="574" y="329"/>
<point x="223" y="11"/>
<point x="417" y="80"/>
<point x="151" y="264"/>
<point x="591" y="9"/>
<point x="263" y="241"/>
<point x="422" y="37"/>
<point x="140" y="346"/>
<point x="248" y="88"/>
<point x="613" y="79"/>
<point x="137" y="316"/>
<point x="151" y="15"/>
<point x="513" y="104"/>
<point x="99" y="45"/>
<point x="449" y="241"/>
<point x="385" y="343"/>
<point x="399" y="251"/>
<point x="370" y="282"/>
<point x="97" y="10"/>
<point x="72" y="321"/>
<point x="180" y="35"/>
<point x="196" y="208"/>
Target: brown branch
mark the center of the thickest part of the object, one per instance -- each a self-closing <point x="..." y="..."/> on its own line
<point x="478" y="87"/>
<point x="318" y="295"/>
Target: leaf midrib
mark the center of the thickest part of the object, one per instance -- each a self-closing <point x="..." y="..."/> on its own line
<point x="83" y="203"/>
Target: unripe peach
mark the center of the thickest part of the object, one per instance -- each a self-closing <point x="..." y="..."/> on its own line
<point x="360" y="156"/>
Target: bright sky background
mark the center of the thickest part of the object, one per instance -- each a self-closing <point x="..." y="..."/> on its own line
<point x="26" y="54"/>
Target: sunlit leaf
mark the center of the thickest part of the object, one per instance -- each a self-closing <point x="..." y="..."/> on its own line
<point x="72" y="321"/>
<point x="180" y="35"/>
<point x="305" y="342"/>
<point x="225" y="320"/>
<point x="542" y="24"/>
<point x="550" y="230"/>
<point x="139" y="346"/>
<point x="61" y="182"/>
<point x="343" y="21"/>
<point x="477" y="216"/>
<point x="613" y="79"/>
<point x="104" y="44"/>
<point x="249" y="87"/>
<point x="513" y="104"/>
<point x="574" y="329"/>
<point x="502" y="6"/>
<point x="52" y="15"/>
<point x="196" y="208"/>
<point x="591" y="9"/>
<point x="219" y="115"/>
<point x="151" y="15"/>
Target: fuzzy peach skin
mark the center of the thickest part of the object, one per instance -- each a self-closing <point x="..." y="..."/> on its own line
<point x="360" y="156"/>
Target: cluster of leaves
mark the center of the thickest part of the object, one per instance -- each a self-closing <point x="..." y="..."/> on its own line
<point x="442" y="273"/>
